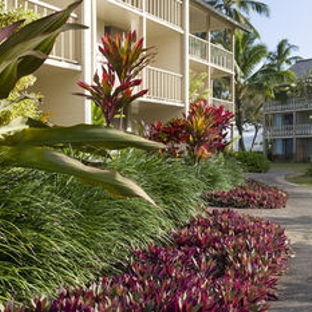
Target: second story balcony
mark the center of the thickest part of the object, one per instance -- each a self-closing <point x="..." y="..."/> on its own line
<point x="169" y="11"/>
<point x="65" y="49"/>
<point x="211" y="53"/>
<point x="286" y="131"/>
<point x="292" y="104"/>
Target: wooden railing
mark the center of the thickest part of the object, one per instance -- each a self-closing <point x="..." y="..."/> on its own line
<point x="292" y="104"/>
<point x="163" y="85"/>
<point x="302" y="129"/>
<point x="167" y="10"/>
<point x="134" y="3"/>
<point x="65" y="48"/>
<point x="221" y="57"/>
<point x="199" y="48"/>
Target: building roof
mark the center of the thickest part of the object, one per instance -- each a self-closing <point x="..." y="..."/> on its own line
<point x="222" y="15"/>
<point x="302" y="67"/>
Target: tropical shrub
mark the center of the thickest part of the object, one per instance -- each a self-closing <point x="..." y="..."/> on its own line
<point x="200" y="133"/>
<point x="125" y="59"/>
<point x="253" y="161"/>
<point x="28" y="143"/>
<point x="88" y="232"/>
<point x="253" y="194"/>
<point x="222" y="262"/>
<point x="28" y="104"/>
<point x="220" y="172"/>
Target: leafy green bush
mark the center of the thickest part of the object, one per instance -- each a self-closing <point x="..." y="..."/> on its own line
<point x="253" y="161"/>
<point x="308" y="171"/>
<point x="56" y="230"/>
<point x="223" y="262"/>
<point x="220" y="172"/>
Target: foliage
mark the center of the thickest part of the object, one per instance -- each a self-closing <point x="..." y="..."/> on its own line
<point x="14" y="15"/>
<point x="126" y="57"/>
<point x="23" y="141"/>
<point x="197" y="86"/>
<point x="88" y="232"/>
<point x="253" y="194"/>
<point x="241" y="10"/>
<point x="220" y="172"/>
<point x="221" y="262"/>
<point x="200" y="133"/>
<point x="253" y="161"/>
<point x="308" y="171"/>
<point x="28" y="106"/>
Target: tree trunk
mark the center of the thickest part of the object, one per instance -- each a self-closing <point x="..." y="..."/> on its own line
<point x="239" y="125"/>
<point x="257" y="128"/>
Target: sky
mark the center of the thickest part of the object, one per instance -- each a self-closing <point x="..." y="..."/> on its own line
<point x="290" y="20"/>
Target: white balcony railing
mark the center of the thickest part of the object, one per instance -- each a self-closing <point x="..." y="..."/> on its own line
<point x="227" y="105"/>
<point x="221" y="57"/>
<point x="138" y="4"/>
<point x="163" y="85"/>
<point x="304" y="129"/>
<point x="167" y="10"/>
<point x="292" y="104"/>
<point x="65" y="47"/>
<point x="199" y="48"/>
<point x="281" y="131"/>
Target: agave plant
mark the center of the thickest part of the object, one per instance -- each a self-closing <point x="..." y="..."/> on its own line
<point x="26" y="143"/>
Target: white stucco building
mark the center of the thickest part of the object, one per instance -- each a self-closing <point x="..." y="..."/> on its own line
<point x="172" y="26"/>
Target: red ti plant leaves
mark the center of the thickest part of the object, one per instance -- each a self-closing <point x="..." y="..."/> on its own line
<point x="200" y="133"/>
<point x="125" y="58"/>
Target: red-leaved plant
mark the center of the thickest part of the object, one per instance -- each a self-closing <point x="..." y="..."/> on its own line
<point x="200" y="133"/>
<point x="116" y="89"/>
<point x="253" y="194"/>
<point x="219" y="263"/>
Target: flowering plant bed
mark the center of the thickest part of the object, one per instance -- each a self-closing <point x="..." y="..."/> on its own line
<point x="219" y="263"/>
<point x="253" y="194"/>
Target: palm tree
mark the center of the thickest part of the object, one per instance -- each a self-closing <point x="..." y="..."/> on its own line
<point x="249" y="75"/>
<point x="282" y="56"/>
<point x="240" y="10"/>
<point x="258" y="72"/>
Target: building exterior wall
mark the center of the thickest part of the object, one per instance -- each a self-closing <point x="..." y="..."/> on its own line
<point x="288" y="129"/>
<point x="172" y="26"/>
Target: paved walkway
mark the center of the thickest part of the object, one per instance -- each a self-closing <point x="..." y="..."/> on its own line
<point x="295" y="288"/>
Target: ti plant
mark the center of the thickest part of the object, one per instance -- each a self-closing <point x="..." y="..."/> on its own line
<point x="125" y="59"/>
<point x="28" y="143"/>
<point x="200" y="133"/>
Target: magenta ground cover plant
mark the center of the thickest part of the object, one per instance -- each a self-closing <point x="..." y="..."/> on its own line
<point x="219" y="263"/>
<point x="253" y="194"/>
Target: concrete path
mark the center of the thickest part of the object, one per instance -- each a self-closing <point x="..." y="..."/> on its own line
<point x="295" y="288"/>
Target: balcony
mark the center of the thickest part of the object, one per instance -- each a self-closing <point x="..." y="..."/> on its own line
<point x="278" y="132"/>
<point x="303" y="129"/>
<point x="64" y="49"/>
<point x="164" y="85"/>
<point x="293" y="104"/>
<point x="167" y="10"/>
<point x="219" y="57"/>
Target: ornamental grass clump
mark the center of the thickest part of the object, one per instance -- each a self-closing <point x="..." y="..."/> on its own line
<point x="252" y="194"/>
<point x="218" y="263"/>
